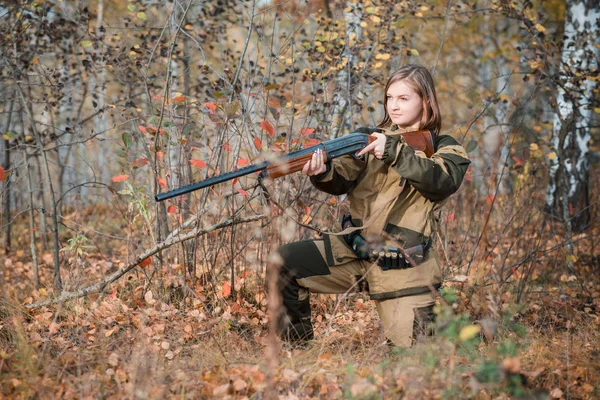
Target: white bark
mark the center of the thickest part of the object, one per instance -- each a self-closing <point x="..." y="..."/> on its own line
<point x="571" y="127"/>
<point x="343" y="84"/>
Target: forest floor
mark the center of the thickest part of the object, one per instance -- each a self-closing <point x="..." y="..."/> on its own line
<point x="135" y="341"/>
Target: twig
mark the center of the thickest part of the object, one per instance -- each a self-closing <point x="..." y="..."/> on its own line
<point x="100" y="286"/>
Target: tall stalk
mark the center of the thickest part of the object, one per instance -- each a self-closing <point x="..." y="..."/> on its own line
<point x="34" y="259"/>
<point x="57" y="279"/>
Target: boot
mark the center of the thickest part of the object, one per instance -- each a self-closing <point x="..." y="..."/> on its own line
<point x="296" y="327"/>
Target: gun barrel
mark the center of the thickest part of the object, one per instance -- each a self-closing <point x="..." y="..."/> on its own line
<point x="211" y="181"/>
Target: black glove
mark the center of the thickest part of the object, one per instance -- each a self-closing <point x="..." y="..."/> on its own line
<point x="367" y="130"/>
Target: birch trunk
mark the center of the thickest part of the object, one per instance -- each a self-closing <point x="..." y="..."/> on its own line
<point x="567" y="196"/>
<point x="342" y="99"/>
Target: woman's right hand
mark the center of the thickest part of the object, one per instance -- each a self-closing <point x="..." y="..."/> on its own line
<point x="316" y="165"/>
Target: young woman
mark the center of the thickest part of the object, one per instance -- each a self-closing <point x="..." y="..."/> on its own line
<point x="394" y="193"/>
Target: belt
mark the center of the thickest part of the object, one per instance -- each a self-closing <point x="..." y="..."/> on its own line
<point x="387" y="257"/>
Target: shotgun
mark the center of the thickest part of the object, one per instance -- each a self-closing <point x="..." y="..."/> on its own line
<point x="293" y="162"/>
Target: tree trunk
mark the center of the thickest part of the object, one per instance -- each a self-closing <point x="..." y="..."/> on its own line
<point x="7" y="185"/>
<point x="342" y="98"/>
<point x="567" y="197"/>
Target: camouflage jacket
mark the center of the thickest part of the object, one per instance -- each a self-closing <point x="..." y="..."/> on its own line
<point x="404" y="190"/>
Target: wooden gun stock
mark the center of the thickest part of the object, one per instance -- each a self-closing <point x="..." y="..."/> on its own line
<point x="293" y="162"/>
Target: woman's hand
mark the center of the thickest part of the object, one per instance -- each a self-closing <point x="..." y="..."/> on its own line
<point x="377" y="147"/>
<point x="316" y="165"/>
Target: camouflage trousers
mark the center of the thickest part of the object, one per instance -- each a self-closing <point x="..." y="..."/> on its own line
<point x="405" y="319"/>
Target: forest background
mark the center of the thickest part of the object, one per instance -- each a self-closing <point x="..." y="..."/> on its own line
<point x="109" y="294"/>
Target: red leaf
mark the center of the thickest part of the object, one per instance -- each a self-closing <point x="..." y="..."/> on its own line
<point x="160" y="155"/>
<point x="162" y="182"/>
<point x="211" y="106"/>
<point x="140" y="162"/>
<point x="450" y="217"/>
<point x="178" y="99"/>
<point x="119" y="178"/>
<point x="2" y="174"/>
<point x="145" y="262"/>
<point x="307" y="210"/>
<point x="490" y="198"/>
<point x="517" y="160"/>
<point x="198" y="163"/>
<point x="227" y="147"/>
<point x="235" y="180"/>
<point x="226" y="290"/>
<point x="306" y="131"/>
<point x="172" y="209"/>
<point x="257" y="143"/>
<point x="142" y="129"/>
<point x="571" y="209"/>
<point x="243" y="192"/>
<point x="242" y="162"/>
<point x="268" y="128"/>
<point x="311" y="142"/>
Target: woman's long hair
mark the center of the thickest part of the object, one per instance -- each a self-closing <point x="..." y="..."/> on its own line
<point x="421" y="81"/>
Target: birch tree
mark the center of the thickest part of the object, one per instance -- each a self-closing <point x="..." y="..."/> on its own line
<point x="567" y="195"/>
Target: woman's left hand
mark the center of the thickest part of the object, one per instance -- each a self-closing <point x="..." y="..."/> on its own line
<point x="377" y="147"/>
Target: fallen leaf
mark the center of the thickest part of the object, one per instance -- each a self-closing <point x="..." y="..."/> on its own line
<point x="362" y="388"/>
<point x="113" y="359"/>
<point x="239" y="385"/>
<point x="242" y="162"/>
<point x="469" y="332"/>
<point x="226" y="290"/>
<point x="221" y="391"/>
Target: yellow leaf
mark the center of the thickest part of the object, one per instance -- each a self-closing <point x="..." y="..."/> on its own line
<point x="43" y="292"/>
<point x="414" y="52"/>
<point x="469" y="332"/>
<point x="552" y="156"/>
<point x="142" y="15"/>
<point x="321" y="49"/>
<point x="86" y="43"/>
<point x="540" y="28"/>
<point x="533" y="147"/>
<point x="375" y="19"/>
<point x="363" y="24"/>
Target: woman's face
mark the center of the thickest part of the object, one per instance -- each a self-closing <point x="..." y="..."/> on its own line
<point x="404" y="105"/>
